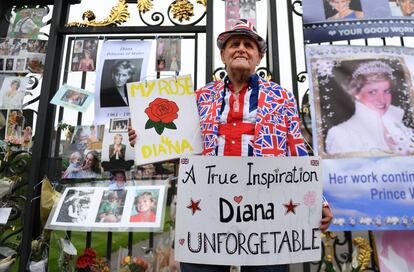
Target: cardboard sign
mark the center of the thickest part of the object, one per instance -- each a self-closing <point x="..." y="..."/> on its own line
<point x="164" y="115"/>
<point x="248" y="211"/>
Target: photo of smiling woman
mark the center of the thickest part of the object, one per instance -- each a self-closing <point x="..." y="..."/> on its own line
<point x="372" y="115"/>
<point x="343" y="9"/>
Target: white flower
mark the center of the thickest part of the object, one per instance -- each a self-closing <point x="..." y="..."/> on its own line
<point x="324" y="67"/>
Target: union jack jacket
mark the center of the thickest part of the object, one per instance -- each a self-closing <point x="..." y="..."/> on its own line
<point x="277" y="128"/>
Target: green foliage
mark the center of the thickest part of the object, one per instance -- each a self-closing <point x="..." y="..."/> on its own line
<point x="159" y="126"/>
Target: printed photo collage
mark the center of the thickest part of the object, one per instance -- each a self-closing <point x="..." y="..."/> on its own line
<point x="103" y="209"/>
<point x="22" y="55"/>
<point x="168" y="55"/>
<point x="84" y="54"/>
<point x="20" y="52"/>
<point x="94" y="149"/>
<point x="240" y="9"/>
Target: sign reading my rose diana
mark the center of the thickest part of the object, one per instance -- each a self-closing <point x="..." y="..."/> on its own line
<point x="248" y="210"/>
<point x="164" y="115"/>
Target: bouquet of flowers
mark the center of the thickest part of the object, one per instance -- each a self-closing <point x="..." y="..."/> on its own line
<point x="87" y="262"/>
<point x="135" y="264"/>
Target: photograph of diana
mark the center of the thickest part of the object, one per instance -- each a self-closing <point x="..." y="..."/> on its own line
<point x="145" y="206"/>
<point x="84" y="55"/>
<point x="74" y="97"/>
<point x="116" y="73"/>
<point x="343" y="9"/>
<point x="366" y="108"/>
<point x="12" y="92"/>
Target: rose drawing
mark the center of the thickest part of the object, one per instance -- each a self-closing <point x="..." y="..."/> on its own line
<point x="309" y="198"/>
<point x="161" y="113"/>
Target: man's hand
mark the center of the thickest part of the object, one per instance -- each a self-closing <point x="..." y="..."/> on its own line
<point x="132" y="136"/>
<point x="326" y="218"/>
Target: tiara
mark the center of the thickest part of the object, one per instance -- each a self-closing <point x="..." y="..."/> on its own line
<point x="373" y="67"/>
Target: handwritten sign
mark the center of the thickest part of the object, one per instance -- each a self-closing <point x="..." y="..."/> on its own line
<point x="164" y="114"/>
<point x="248" y="211"/>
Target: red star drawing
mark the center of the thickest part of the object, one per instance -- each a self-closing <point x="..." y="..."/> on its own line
<point x="194" y="206"/>
<point x="290" y="207"/>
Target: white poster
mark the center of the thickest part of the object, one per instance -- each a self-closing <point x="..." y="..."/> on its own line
<point x="248" y="211"/>
<point x="120" y="62"/>
<point x="164" y="115"/>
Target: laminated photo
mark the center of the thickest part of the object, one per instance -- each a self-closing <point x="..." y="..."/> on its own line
<point x="240" y="9"/>
<point x="168" y="55"/>
<point x="26" y="23"/>
<point x="19" y="127"/>
<point x="353" y="121"/>
<point x="12" y="92"/>
<point x="84" y="55"/>
<point x="73" y="98"/>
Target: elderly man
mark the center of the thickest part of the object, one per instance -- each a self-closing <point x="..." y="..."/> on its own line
<point x="245" y="115"/>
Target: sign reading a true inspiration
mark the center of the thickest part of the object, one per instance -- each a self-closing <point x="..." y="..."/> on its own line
<point x="164" y="115"/>
<point x="248" y="211"/>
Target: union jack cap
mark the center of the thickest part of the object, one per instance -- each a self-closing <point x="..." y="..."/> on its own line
<point x="242" y="27"/>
